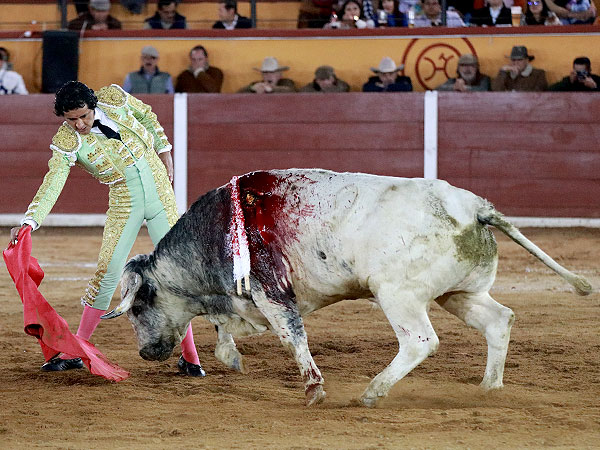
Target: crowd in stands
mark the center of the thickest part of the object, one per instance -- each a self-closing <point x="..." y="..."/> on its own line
<point x="348" y="14"/>
<point x="330" y="14"/>
<point x="95" y="15"/>
<point x="200" y="77"/>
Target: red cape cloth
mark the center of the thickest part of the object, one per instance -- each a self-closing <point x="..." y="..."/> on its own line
<point x="42" y="321"/>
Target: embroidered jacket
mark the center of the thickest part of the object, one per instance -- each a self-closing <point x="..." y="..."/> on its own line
<point x="105" y="159"/>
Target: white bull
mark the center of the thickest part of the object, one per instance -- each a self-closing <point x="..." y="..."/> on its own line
<point x="316" y="237"/>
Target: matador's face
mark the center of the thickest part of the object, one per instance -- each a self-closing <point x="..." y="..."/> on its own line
<point x="80" y="119"/>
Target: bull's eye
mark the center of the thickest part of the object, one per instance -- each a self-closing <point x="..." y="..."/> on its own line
<point x="136" y="310"/>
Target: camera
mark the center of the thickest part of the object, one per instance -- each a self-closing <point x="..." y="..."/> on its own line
<point x="582" y="74"/>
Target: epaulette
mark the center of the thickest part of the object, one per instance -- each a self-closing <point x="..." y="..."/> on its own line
<point x="112" y="95"/>
<point x="66" y="140"/>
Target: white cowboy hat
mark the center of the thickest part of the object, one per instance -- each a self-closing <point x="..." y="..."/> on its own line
<point x="387" y="65"/>
<point x="270" y="64"/>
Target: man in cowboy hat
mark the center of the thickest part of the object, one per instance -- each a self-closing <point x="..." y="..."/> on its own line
<point x="272" y="79"/>
<point x="468" y="77"/>
<point x="520" y="75"/>
<point x="387" y="78"/>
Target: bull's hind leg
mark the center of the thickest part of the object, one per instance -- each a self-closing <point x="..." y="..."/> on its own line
<point x="417" y="340"/>
<point x="480" y="311"/>
<point x="286" y="322"/>
<point x="227" y="352"/>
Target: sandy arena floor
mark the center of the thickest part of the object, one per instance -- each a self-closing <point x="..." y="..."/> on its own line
<point x="551" y="397"/>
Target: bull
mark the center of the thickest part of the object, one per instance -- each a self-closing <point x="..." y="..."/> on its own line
<point x="312" y="238"/>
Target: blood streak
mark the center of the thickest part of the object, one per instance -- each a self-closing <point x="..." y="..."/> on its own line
<point x="272" y="211"/>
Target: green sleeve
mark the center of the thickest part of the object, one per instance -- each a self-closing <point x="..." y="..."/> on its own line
<point x="47" y="194"/>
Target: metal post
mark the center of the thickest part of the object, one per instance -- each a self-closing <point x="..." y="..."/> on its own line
<point x="63" y="14"/>
<point x="253" y="12"/>
<point x="444" y="7"/>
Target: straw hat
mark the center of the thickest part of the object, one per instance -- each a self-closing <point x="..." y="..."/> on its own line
<point x="387" y="65"/>
<point x="270" y="64"/>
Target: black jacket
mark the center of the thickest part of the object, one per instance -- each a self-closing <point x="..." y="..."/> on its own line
<point x="242" y="22"/>
<point x="482" y="16"/>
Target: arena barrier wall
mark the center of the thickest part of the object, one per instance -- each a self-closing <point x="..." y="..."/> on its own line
<point x="532" y="155"/>
<point x="429" y="57"/>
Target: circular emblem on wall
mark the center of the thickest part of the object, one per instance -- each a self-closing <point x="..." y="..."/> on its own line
<point x="433" y="61"/>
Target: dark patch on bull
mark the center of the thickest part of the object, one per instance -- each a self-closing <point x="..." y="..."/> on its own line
<point x="198" y="245"/>
<point x="322" y="255"/>
<point x="138" y="264"/>
<point x="146" y="293"/>
<point x="475" y="244"/>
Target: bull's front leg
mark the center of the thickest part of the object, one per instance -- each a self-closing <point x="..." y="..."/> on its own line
<point x="286" y="322"/>
<point x="227" y="352"/>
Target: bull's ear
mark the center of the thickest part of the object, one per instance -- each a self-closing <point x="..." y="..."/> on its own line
<point x="130" y="284"/>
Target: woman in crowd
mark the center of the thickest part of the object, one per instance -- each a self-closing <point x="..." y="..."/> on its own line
<point x="352" y="17"/>
<point x="537" y="13"/>
<point x="389" y="14"/>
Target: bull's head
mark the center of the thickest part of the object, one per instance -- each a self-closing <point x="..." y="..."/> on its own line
<point x="158" y="322"/>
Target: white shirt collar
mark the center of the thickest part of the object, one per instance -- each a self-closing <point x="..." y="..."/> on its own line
<point x="104" y="120"/>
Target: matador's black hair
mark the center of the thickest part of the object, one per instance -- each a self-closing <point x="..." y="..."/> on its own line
<point x="73" y="95"/>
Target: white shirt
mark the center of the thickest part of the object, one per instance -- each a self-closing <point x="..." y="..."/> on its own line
<point x="11" y="82"/>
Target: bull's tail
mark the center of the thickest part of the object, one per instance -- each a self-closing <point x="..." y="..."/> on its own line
<point x="489" y="215"/>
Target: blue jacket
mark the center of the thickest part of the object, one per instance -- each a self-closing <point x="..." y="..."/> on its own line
<point x="402" y="84"/>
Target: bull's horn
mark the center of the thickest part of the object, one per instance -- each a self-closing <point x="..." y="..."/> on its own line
<point x="130" y="285"/>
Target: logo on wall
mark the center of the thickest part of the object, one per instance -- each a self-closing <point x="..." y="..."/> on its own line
<point x="433" y="63"/>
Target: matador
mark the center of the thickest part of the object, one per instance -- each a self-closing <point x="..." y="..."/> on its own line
<point x="117" y="139"/>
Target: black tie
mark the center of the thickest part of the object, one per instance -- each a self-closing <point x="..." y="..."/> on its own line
<point x="107" y="131"/>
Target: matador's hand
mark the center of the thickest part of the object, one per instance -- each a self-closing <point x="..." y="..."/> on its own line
<point x="14" y="233"/>
<point x="167" y="160"/>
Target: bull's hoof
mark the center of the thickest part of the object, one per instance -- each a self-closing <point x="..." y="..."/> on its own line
<point x="489" y="386"/>
<point x="189" y="369"/>
<point x="231" y="357"/>
<point x="371" y="401"/>
<point x="314" y="394"/>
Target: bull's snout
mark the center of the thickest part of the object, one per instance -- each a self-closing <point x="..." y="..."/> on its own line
<point x="157" y="352"/>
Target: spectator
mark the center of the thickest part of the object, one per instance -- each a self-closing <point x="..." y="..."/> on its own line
<point x="314" y="13"/>
<point x="352" y="17"/>
<point x="496" y="13"/>
<point x="166" y="17"/>
<point x="389" y="14"/>
<point x="272" y="79"/>
<point x="581" y="78"/>
<point x="133" y="6"/>
<point x="10" y="81"/>
<point x="148" y="80"/>
<point x="431" y="15"/>
<point x="229" y="18"/>
<point x="97" y="17"/>
<point x="537" y="13"/>
<point x="387" y="78"/>
<point x="576" y="12"/>
<point x="326" y="81"/>
<point x="520" y="75"/>
<point x="200" y="76"/>
<point x="468" y="77"/>
<point x="81" y="6"/>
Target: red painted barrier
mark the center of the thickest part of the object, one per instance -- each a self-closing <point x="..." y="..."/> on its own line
<point x="530" y="154"/>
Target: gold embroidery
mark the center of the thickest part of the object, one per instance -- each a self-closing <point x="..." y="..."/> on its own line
<point x="163" y="187"/>
<point x="112" y="95"/>
<point x="66" y="139"/>
<point x="119" y="211"/>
